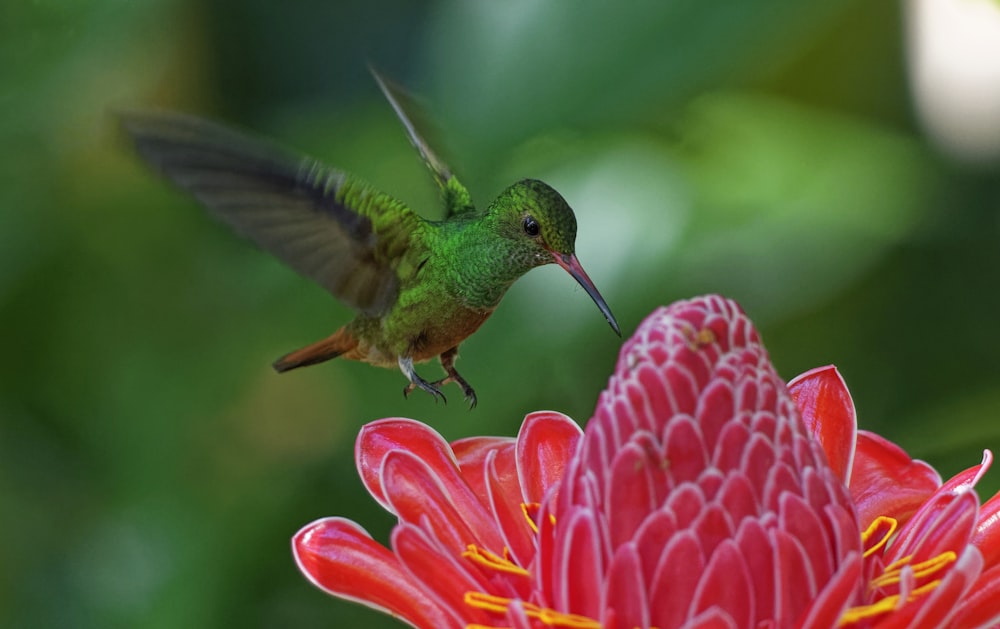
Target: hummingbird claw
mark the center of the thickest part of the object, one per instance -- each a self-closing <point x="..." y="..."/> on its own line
<point x="467" y="391"/>
<point x="470" y="397"/>
<point x="448" y="363"/>
<point x="426" y="386"/>
<point x="406" y="366"/>
<point x="434" y="388"/>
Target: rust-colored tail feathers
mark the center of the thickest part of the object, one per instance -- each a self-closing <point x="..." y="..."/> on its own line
<point x="340" y="342"/>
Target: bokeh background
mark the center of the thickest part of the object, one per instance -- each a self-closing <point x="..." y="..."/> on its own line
<point x="153" y="467"/>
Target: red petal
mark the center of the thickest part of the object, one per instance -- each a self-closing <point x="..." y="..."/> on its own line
<point x="727" y="585"/>
<point x="444" y="505"/>
<point x="445" y="578"/>
<point x="838" y="593"/>
<point x="489" y="467"/>
<point x="517" y="617"/>
<point x="967" y="479"/>
<point x="578" y="564"/>
<point x="625" y="592"/>
<point x="652" y="538"/>
<point x="796" y="579"/>
<point x="981" y="606"/>
<point x="781" y="480"/>
<point x="759" y="460"/>
<point x="886" y="481"/>
<point x="737" y="497"/>
<point x="716" y="407"/>
<point x="545" y="444"/>
<point x="944" y="523"/>
<point x="505" y="503"/>
<point x="545" y="569"/>
<point x="712" y="527"/>
<point x="799" y="520"/>
<point x="937" y="607"/>
<point x="472" y="453"/>
<point x="984" y="537"/>
<point x="987" y="535"/>
<point x="387" y="435"/>
<point x="685" y="450"/>
<point x="827" y="409"/>
<point x="339" y="557"/>
<point x="731" y="445"/>
<point x="675" y="580"/>
<point x="638" y="476"/>
<point x="686" y="503"/>
<point x="712" y="619"/>
<point x="755" y="545"/>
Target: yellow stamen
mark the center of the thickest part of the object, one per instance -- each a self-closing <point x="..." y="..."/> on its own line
<point x="883" y="605"/>
<point x="892" y="574"/>
<point x="547" y="616"/>
<point x="493" y="561"/>
<point x="696" y="339"/>
<point x="705" y="336"/>
<point x="528" y="509"/>
<point x="885" y="525"/>
<point x="893" y="571"/>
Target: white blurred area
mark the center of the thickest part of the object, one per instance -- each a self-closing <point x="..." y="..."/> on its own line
<point x="954" y="59"/>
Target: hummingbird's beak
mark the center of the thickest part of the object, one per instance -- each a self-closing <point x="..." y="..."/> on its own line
<point x="572" y="266"/>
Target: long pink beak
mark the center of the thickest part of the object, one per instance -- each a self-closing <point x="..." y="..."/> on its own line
<point x="572" y="266"/>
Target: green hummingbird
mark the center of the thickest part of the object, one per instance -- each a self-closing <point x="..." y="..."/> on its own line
<point x="420" y="287"/>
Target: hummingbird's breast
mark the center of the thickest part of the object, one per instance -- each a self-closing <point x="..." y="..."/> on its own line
<point x="435" y="319"/>
<point x="441" y="334"/>
<point x="447" y="291"/>
<point x="425" y="322"/>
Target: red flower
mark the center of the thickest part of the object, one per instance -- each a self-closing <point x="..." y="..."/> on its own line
<point x="465" y="519"/>
<point x="932" y="553"/>
<point x="704" y="493"/>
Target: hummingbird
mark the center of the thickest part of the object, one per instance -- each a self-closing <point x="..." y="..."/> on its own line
<point x="420" y="287"/>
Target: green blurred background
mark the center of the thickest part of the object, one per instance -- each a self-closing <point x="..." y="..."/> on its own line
<point x="153" y="467"/>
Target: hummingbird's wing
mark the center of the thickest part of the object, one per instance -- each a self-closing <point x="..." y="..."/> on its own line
<point x="327" y="225"/>
<point x="456" y="197"/>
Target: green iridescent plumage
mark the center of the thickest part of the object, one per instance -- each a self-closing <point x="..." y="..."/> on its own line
<point x="420" y="287"/>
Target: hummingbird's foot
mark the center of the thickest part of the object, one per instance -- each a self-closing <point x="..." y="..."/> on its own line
<point x="469" y="392"/>
<point x="406" y="366"/>
<point x="426" y="386"/>
<point x="448" y="363"/>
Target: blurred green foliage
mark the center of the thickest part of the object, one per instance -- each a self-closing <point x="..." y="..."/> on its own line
<point x="153" y="468"/>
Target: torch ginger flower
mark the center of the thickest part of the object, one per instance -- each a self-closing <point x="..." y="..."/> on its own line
<point x="703" y="493"/>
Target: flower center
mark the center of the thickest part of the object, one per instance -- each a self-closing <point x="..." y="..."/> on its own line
<point x="492" y="561"/>
<point x="500" y="604"/>
<point x="900" y="577"/>
<point x="548" y="617"/>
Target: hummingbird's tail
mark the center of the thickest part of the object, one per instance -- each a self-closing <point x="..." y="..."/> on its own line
<point x="340" y="342"/>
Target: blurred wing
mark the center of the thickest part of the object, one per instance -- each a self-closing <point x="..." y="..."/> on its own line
<point x="456" y="197"/>
<point x="325" y="224"/>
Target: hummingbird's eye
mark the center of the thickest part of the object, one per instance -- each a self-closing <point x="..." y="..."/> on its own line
<point x="530" y="226"/>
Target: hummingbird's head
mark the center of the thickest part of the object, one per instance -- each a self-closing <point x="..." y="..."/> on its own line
<point x="535" y="215"/>
<point x="543" y="225"/>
